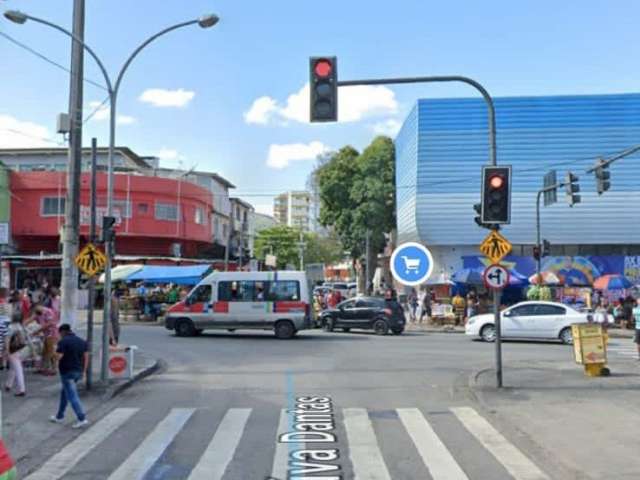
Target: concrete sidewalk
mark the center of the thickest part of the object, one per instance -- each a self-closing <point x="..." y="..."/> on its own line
<point x="587" y="428"/>
<point x="25" y="420"/>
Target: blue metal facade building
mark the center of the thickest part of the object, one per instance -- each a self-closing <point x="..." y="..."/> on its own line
<point x="444" y="142"/>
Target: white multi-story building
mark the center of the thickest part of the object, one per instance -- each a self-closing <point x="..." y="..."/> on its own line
<point x="243" y="229"/>
<point x="293" y="209"/>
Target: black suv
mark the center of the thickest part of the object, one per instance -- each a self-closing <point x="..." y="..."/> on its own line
<point x="380" y="315"/>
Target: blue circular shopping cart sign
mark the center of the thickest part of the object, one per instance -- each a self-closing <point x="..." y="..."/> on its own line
<point x="411" y="263"/>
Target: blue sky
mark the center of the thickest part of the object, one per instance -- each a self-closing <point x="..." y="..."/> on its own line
<point x="230" y="99"/>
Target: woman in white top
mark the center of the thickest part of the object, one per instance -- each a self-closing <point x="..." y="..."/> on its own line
<point x="16" y="344"/>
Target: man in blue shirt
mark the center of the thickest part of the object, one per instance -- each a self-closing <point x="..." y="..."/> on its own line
<point x="636" y="316"/>
<point x="73" y="359"/>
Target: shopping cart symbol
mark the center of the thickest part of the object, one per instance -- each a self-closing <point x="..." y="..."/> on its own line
<point x="411" y="264"/>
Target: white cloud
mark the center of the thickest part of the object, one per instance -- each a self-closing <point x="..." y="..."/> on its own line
<point x="265" y="208"/>
<point x="355" y="103"/>
<point x="103" y="114"/>
<point x="159" y="97"/>
<point x="15" y="133"/>
<point x="280" y="156"/>
<point x="389" y="127"/>
<point x="169" y="154"/>
<point x="260" y="111"/>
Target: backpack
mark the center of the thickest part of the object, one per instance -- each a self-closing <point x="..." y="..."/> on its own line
<point x="17" y="341"/>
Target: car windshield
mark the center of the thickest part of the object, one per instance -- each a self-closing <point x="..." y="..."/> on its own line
<point x="346" y="240"/>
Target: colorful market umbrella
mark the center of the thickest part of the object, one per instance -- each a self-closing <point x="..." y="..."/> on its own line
<point x="612" y="282"/>
<point x="548" y="278"/>
<point x="468" y="276"/>
<point x="517" y="279"/>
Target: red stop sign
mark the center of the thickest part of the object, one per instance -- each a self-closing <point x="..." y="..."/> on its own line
<point x="117" y="364"/>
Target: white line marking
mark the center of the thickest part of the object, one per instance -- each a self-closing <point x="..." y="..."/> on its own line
<point x="281" y="455"/>
<point x="67" y="458"/>
<point x="148" y="452"/>
<point x="434" y="453"/>
<point x="516" y="463"/>
<point x="364" y="453"/>
<point x="219" y="452"/>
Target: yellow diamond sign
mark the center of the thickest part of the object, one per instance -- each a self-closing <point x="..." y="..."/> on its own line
<point x="495" y="247"/>
<point x="91" y="260"/>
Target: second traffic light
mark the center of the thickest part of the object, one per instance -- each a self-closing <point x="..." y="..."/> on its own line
<point x="496" y="195"/>
<point x="603" y="177"/>
<point x="108" y="229"/>
<point x="323" y="86"/>
<point x="571" y="189"/>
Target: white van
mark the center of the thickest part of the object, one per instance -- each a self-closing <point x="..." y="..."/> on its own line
<point x="247" y="300"/>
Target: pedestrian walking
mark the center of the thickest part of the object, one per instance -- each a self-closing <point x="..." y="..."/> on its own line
<point x="5" y="319"/>
<point x="413" y="304"/>
<point x="73" y="359"/>
<point x="458" y="304"/>
<point x="636" y="316"/>
<point x="17" y="346"/>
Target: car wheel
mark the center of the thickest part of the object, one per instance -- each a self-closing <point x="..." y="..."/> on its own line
<point x="346" y="330"/>
<point x="488" y="333"/>
<point x="380" y="327"/>
<point x="284" y="329"/>
<point x="185" y="328"/>
<point x="327" y="326"/>
<point x="566" y="336"/>
<point x="397" y="331"/>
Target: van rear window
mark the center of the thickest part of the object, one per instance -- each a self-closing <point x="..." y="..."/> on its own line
<point x="258" y="291"/>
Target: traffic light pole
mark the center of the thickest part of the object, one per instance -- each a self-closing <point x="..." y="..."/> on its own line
<point x="549" y="188"/>
<point x="491" y="117"/>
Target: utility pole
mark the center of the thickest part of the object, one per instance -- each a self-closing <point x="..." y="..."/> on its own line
<point x="367" y="246"/>
<point x="92" y="280"/>
<point x="71" y="232"/>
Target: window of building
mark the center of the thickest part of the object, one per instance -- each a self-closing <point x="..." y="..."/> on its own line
<point x="53" y="206"/>
<point x="60" y="167"/>
<point x="199" y="216"/>
<point x="224" y="230"/>
<point x="166" y="211"/>
<point x="121" y="207"/>
<point x="143" y="208"/>
<point x="244" y="216"/>
<point x="238" y="213"/>
<point x="216" y="227"/>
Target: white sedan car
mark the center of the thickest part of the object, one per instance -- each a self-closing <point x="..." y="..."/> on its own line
<point x="535" y="320"/>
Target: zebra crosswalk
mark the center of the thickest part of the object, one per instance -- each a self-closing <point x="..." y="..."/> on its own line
<point x="617" y="349"/>
<point x="427" y="446"/>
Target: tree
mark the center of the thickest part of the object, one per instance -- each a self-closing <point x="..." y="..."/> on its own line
<point x="283" y="242"/>
<point x="357" y="194"/>
<point x="280" y="241"/>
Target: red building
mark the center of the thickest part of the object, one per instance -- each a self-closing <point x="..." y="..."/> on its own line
<point x="156" y="216"/>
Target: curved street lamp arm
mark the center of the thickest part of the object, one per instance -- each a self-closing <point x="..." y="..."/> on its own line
<point x="84" y="45"/>
<point x="143" y="45"/>
<point x="442" y="78"/>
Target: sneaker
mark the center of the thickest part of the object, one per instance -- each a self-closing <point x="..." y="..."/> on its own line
<point x="80" y="423"/>
<point x="54" y="419"/>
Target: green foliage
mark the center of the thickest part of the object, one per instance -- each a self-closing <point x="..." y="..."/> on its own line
<point x="536" y="292"/>
<point x="357" y="193"/>
<point x="283" y="242"/>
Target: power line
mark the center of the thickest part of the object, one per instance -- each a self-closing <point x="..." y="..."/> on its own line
<point x="46" y="59"/>
<point x="96" y="110"/>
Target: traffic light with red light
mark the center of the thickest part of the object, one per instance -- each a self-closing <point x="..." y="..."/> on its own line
<point x="496" y="195"/>
<point x="323" y="86"/>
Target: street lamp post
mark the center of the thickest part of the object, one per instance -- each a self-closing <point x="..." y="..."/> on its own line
<point x="204" y="21"/>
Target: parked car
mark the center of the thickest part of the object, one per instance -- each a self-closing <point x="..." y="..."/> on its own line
<point x="533" y="320"/>
<point x="370" y="313"/>
<point x="321" y="290"/>
<point x="342" y="287"/>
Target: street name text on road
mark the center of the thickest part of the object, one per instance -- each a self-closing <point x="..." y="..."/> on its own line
<point x="495" y="247"/>
<point x="91" y="260"/>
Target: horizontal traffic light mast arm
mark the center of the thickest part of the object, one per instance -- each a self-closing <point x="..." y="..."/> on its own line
<point x="609" y="161"/>
<point x="445" y="78"/>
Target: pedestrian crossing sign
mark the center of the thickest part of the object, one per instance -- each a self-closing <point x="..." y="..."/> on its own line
<point x="91" y="260"/>
<point x="495" y="247"/>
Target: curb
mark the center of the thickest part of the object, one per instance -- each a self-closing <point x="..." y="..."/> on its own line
<point x="433" y="330"/>
<point x="156" y="367"/>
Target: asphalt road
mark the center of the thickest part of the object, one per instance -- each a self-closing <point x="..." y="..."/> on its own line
<point x="392" y="407"/>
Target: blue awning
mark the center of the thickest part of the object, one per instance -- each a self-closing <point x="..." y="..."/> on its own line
<point x="184" y="275"/>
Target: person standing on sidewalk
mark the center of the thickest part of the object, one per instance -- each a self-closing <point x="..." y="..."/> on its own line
<point x="16" y="346"/>
<point x="5" y="319"/>
<point x="636" y="316"/>
<point x="46" y="320"/>
<point x="73" y="359"/>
